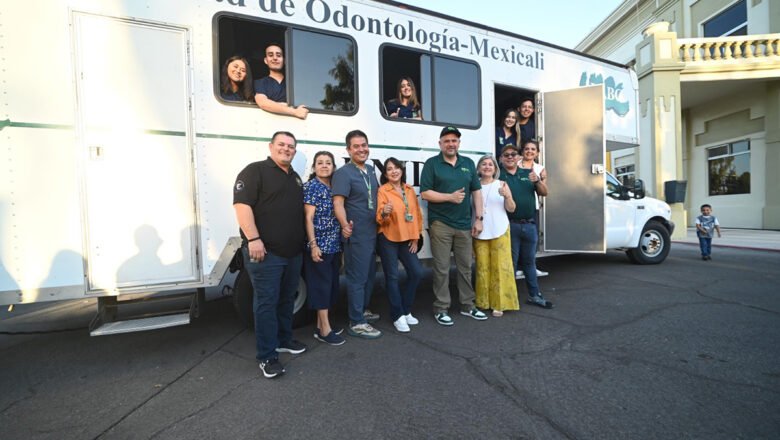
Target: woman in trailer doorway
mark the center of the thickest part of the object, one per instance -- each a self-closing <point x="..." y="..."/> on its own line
<point x="236" y="80"/>
<point x="529" y="161"/>
<point x="507" y="132"/>
<point x="406" y="104"/>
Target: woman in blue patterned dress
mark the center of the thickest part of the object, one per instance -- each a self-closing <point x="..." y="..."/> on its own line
<point x="323" y="260"/>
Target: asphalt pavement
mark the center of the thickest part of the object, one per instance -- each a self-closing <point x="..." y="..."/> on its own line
<point x="685" y="349"/>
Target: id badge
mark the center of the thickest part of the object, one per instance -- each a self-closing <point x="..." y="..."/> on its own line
<point x="370" y="204"/>
<point x="409" y="217"/>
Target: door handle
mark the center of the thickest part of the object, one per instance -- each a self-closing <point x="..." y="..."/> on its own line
<point x="95" y="152"/>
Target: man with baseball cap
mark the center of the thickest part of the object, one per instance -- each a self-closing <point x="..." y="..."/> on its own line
<point x="446" y="182"/>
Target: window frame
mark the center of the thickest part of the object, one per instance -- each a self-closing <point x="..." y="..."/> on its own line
<point x="431" y="54"/>
<point x="721" y="12"/>
<point x="730" y="153"/>
<point x="288" y="74"/>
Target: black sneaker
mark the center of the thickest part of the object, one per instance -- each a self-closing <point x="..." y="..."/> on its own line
<point x="292" y="347"/>
<point x="541" y="302"/>
<point x="271" y="368"/>
<point x="332" y="338"/>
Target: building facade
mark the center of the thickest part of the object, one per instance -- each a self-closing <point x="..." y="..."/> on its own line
<point x="709" y="93"/>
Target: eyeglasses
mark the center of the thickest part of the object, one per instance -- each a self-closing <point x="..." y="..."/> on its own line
<point x="509" y="155"/>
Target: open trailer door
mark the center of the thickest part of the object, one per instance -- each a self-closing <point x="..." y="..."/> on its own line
<point x="574" y="156"/>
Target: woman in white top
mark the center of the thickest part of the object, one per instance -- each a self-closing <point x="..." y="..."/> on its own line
<point x="495" y="287"/>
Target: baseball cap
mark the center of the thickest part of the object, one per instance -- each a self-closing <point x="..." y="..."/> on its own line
<point x="449" y="130"/>
<point x="510" y="147"/>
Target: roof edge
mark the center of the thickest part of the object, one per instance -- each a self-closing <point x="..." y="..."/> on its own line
<point x="496" y="30"/>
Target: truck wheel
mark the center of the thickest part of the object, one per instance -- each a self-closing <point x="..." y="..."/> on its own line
<point x="243" y="296"/>
<point x="654" y="244"/>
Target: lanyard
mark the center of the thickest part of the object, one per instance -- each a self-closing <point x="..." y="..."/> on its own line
<point x="403" y="194"/>
<point x="367" y="181"/>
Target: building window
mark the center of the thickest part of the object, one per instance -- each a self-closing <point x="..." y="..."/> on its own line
<point x="626" y="174"/>
<point x="729" y="168"/>
<point x="732" y="21"/>
<point x="435" y="78"/>
<point x="320" y="66"/>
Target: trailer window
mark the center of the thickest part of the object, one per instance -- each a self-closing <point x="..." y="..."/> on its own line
<point x="320" y="67"/>
<point x="447" y="89"/>
<point x="324" y="76"/>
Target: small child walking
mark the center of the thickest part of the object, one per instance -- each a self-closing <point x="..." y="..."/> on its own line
<point x="706" y="224"/>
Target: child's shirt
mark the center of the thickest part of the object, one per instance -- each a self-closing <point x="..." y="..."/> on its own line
<point x="708" y="223"/>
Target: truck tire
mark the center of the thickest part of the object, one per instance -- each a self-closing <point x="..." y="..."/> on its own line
<point x="243" y="296"/>
<point x="654" y="245"/>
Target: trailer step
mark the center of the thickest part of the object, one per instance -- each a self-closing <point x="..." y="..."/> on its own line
<point x="146" y="313"/>
<point x="142" y="324"/>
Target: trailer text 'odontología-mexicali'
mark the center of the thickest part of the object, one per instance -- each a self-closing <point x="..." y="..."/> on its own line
<point x="319" y="11"/>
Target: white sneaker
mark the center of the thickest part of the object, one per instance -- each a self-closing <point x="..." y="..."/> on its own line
<point x="411" y="320"/>
<point x="541" y="273"/>
<point x="519" y="275"/>
<point x="401" y="325"/>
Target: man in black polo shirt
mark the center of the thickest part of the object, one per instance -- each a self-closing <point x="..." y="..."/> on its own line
<point x="525" y="184"/>
<point x="268" y="199"/>
<point x="271" y="90"/>
<point x="446" y="182"/>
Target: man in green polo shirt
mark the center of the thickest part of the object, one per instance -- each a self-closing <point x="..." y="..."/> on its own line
<point x="525" y="184"/>
<point x="447" y="180"/>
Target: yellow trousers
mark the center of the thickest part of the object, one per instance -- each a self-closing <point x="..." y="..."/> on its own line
<point x="496" y="287"/>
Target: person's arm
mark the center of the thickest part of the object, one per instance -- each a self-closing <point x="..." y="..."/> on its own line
<point x="432" y="196"/>
<point x="341" y="216"/>
<point x="246" y="221"/>
<point x="699" y="226"/>
<point x="717" y="228"/>
<point x="316" y="252"/>
<point x="281" y="108"/>
<point x="539" y="185"/>
<point x="476" y="227"/>
<point x="382" y="211"/>
<point x="506" y="193"/>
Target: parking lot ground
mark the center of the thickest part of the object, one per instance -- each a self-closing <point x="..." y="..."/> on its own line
<point x="685" y="349"/>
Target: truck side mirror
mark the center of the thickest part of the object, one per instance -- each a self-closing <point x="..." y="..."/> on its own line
<point x="639" y="189"/>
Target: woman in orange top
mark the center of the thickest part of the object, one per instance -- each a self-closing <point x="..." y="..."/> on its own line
<point x="400" y="225"/>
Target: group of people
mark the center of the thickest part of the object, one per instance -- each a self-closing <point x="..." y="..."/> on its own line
<point x="268" y="92"/>
<point x="487" y="210"/>
<point x="517" y="126"/>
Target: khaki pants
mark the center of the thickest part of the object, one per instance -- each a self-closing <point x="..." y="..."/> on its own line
<point x="443" y="240"/>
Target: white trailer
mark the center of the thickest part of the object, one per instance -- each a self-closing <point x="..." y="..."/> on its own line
<point x="118" y="154"/>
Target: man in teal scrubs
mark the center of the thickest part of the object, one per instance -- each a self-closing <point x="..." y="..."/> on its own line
<point x="447" y="180"/>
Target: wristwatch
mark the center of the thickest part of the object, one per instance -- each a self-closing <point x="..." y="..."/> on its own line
<point x="480" y="218"/>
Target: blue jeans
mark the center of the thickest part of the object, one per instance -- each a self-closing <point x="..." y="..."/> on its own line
<point x="391" y="252"/>
<point x="360" y="270"/>
<point x="524" y="241"/>
<point x="275" y="281"/>
<point x="705" y="243"/>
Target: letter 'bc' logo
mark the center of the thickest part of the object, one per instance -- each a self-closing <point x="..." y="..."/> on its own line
<point x="613" y="93"/>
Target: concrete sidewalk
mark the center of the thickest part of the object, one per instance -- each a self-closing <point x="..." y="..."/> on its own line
<point x="759" y="239"/>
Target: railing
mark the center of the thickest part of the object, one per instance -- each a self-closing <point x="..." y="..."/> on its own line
<point x="729" y="48"/>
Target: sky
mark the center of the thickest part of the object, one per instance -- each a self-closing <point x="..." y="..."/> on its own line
<point x="561" y="22"/>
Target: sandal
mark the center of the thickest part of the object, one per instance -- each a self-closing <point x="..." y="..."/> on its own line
<point x="498" y="313"/>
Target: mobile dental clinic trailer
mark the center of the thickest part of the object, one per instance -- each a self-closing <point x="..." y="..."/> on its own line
<point x="118" y="155"/>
